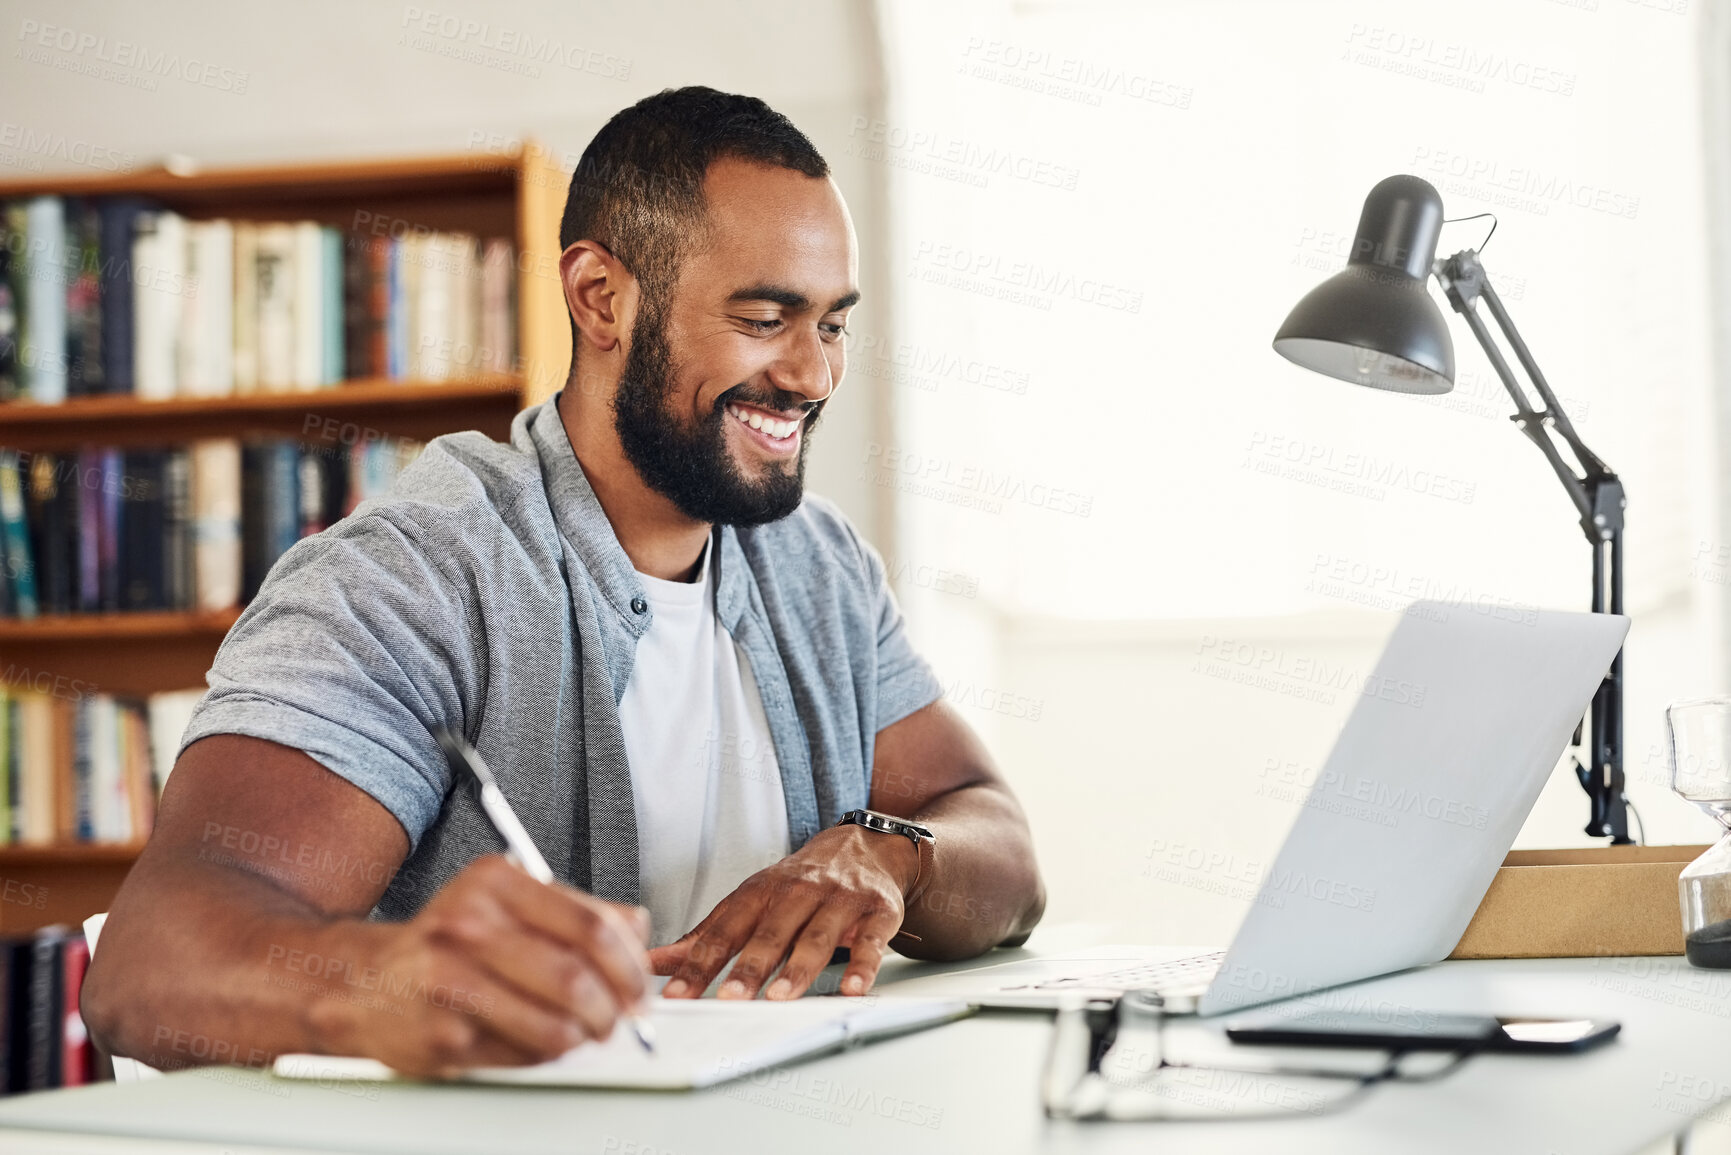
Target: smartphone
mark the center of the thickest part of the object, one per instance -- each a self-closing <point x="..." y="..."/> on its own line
<point x="1422" y="1031"/>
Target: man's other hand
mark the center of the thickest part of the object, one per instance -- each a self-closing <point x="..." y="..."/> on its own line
<point x="497" y="970"/>
<point x="844" y="888"/>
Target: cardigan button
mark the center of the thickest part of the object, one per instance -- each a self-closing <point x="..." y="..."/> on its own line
<point x="639" y="606"/>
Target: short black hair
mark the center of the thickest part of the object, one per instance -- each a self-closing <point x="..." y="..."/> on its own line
<point x="638" y="188"/>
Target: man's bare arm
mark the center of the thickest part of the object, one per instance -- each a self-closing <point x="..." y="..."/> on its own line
<point x="986" y="889"/>
<point x="239" y="935"/>
<point x="847" y="885"/>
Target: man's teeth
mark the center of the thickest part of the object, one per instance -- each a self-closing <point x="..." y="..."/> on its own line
<point x="780" y="430"/>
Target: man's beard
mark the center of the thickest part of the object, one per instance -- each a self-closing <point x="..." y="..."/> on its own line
<point x="692" y="467"/>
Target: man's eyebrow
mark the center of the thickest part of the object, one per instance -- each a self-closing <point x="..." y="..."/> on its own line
<point x="788" y="298"/>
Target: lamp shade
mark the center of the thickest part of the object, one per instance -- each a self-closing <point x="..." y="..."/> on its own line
<point x="1374" y="322"/>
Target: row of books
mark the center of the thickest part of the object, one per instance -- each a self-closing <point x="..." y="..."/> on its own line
<point x="43" y="1042"/>
<point x="75" y="766"/>
<point x="116" y="295"/>
<point x="103" y="530"/>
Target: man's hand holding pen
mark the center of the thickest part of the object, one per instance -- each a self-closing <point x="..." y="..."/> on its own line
<point x="498" y="969"/>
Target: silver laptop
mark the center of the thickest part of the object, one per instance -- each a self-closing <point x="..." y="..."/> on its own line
<point x="1452" y="738"/>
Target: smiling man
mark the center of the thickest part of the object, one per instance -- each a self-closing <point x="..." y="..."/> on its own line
<point x="689" y="677"/>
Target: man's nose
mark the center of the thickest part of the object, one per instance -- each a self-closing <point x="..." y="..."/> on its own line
<point x="804" y="368"/>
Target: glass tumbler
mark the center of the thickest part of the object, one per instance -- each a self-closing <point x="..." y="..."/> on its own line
<point x="1700" y="737"/>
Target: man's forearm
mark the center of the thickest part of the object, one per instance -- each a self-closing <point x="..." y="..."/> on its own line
<point x="204" y="964"/>
<point x="985" y="889"/>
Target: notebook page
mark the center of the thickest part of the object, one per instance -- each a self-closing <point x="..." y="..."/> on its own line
<point x="699" y="1042"/>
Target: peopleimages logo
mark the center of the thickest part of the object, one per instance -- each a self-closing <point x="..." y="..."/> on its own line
<point x="926" y="368"/>
<point x="883" y="140"/>
<point x="1532" y="189"/>
<point x="1351" y="472"/>
<point x="1272" y="662"/>
<point x="964" y="483"/>
<point x="1165" y="857"/>
<point x="1357" y="796"/>
<point x="976" y="270"/>
<point x="98" y="56"/>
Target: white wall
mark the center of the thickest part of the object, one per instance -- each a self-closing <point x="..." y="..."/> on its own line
<point x="334" y="78"/>
<point x="1109" y="208"/>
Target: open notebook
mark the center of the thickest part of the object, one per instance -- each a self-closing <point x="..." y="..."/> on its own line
<point x="699" y="1042"/>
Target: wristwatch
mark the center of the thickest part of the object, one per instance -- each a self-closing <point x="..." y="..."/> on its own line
<point x="921" y="836"/>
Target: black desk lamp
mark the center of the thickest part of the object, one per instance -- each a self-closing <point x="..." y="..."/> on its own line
<point x="1374" y="323"/>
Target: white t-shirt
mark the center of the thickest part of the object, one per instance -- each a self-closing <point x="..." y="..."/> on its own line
<point x="704" y="778"/>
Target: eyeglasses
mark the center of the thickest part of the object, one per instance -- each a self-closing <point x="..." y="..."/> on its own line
<point x="1108" y="1061"/>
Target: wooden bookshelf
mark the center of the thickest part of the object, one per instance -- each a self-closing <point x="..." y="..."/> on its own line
<point x="519" y="195"/>
<point x="342" y="414"/>
<point x="153" y="624"/>
<point x="44" y="885"/>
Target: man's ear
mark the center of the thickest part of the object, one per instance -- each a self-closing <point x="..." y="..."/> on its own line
<point x="600" y="292"/>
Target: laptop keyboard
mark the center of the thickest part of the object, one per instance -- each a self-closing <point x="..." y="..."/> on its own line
<point x="1174" y="974"/>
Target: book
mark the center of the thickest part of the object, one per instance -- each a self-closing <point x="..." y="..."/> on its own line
<point x="309" y="293"/>
<point x="63" y="712"/>
<point x="111" y="486"/>
<point x="44" y="351"/>
<point x="331" y="305"/>
<point x="206" y="345"/>
<point x="83" y="798"/>
<point x="14" y="528"/>
<point x="83" y="270"/>
<point x="379" y="305"/>
<point x="52" y="511"/>
<point x="142" y="541"/>
<point x="462" y="337"/>
<point x="216" y="523"/>
<point x="282" y="503"/>
<point x="245" y="307"/>
<point x="137" y="777"/>
<point x="33" y="813"/>
<point x="18" y="953"/>
<point x="398" y="291"/>
<point x="699" y="1043"/>
<point x="108" y="811"/>
<point x="357" y="308"/>
<point x="8" y="763"/>
<point x="270" y="507"/>
<point x="44" y="1025"/>
<point x="168" y="715"/>
<point x="430" y="297"/>
<point x="313" y="491"/>
<point x="254" y="564"/>
<point x="177" y="544"/>
<point x="17" y="218"/>
<point x="9" y="318"/>
<point x="40" y="514"/>
<point x="498" y="345"/>
<point x="159" y="282"/>
<point x="76" y="1047"/>
<point x="274" y="300"/>
<point x="119" y="216"/>
<point x="14" y="828"/>
<point x="87" y="472"/>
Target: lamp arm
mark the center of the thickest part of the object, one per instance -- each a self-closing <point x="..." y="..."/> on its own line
<point x="1598" y="493"/>
<point x="1598" y="497"/>
<point x="1529" y="420"/>
<point x="1590" y="461"/>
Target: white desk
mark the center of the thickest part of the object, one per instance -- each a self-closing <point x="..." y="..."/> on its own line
<point x="971" y="1087"/>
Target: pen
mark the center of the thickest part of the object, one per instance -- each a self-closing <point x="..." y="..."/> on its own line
<point x="519" y="847"/>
